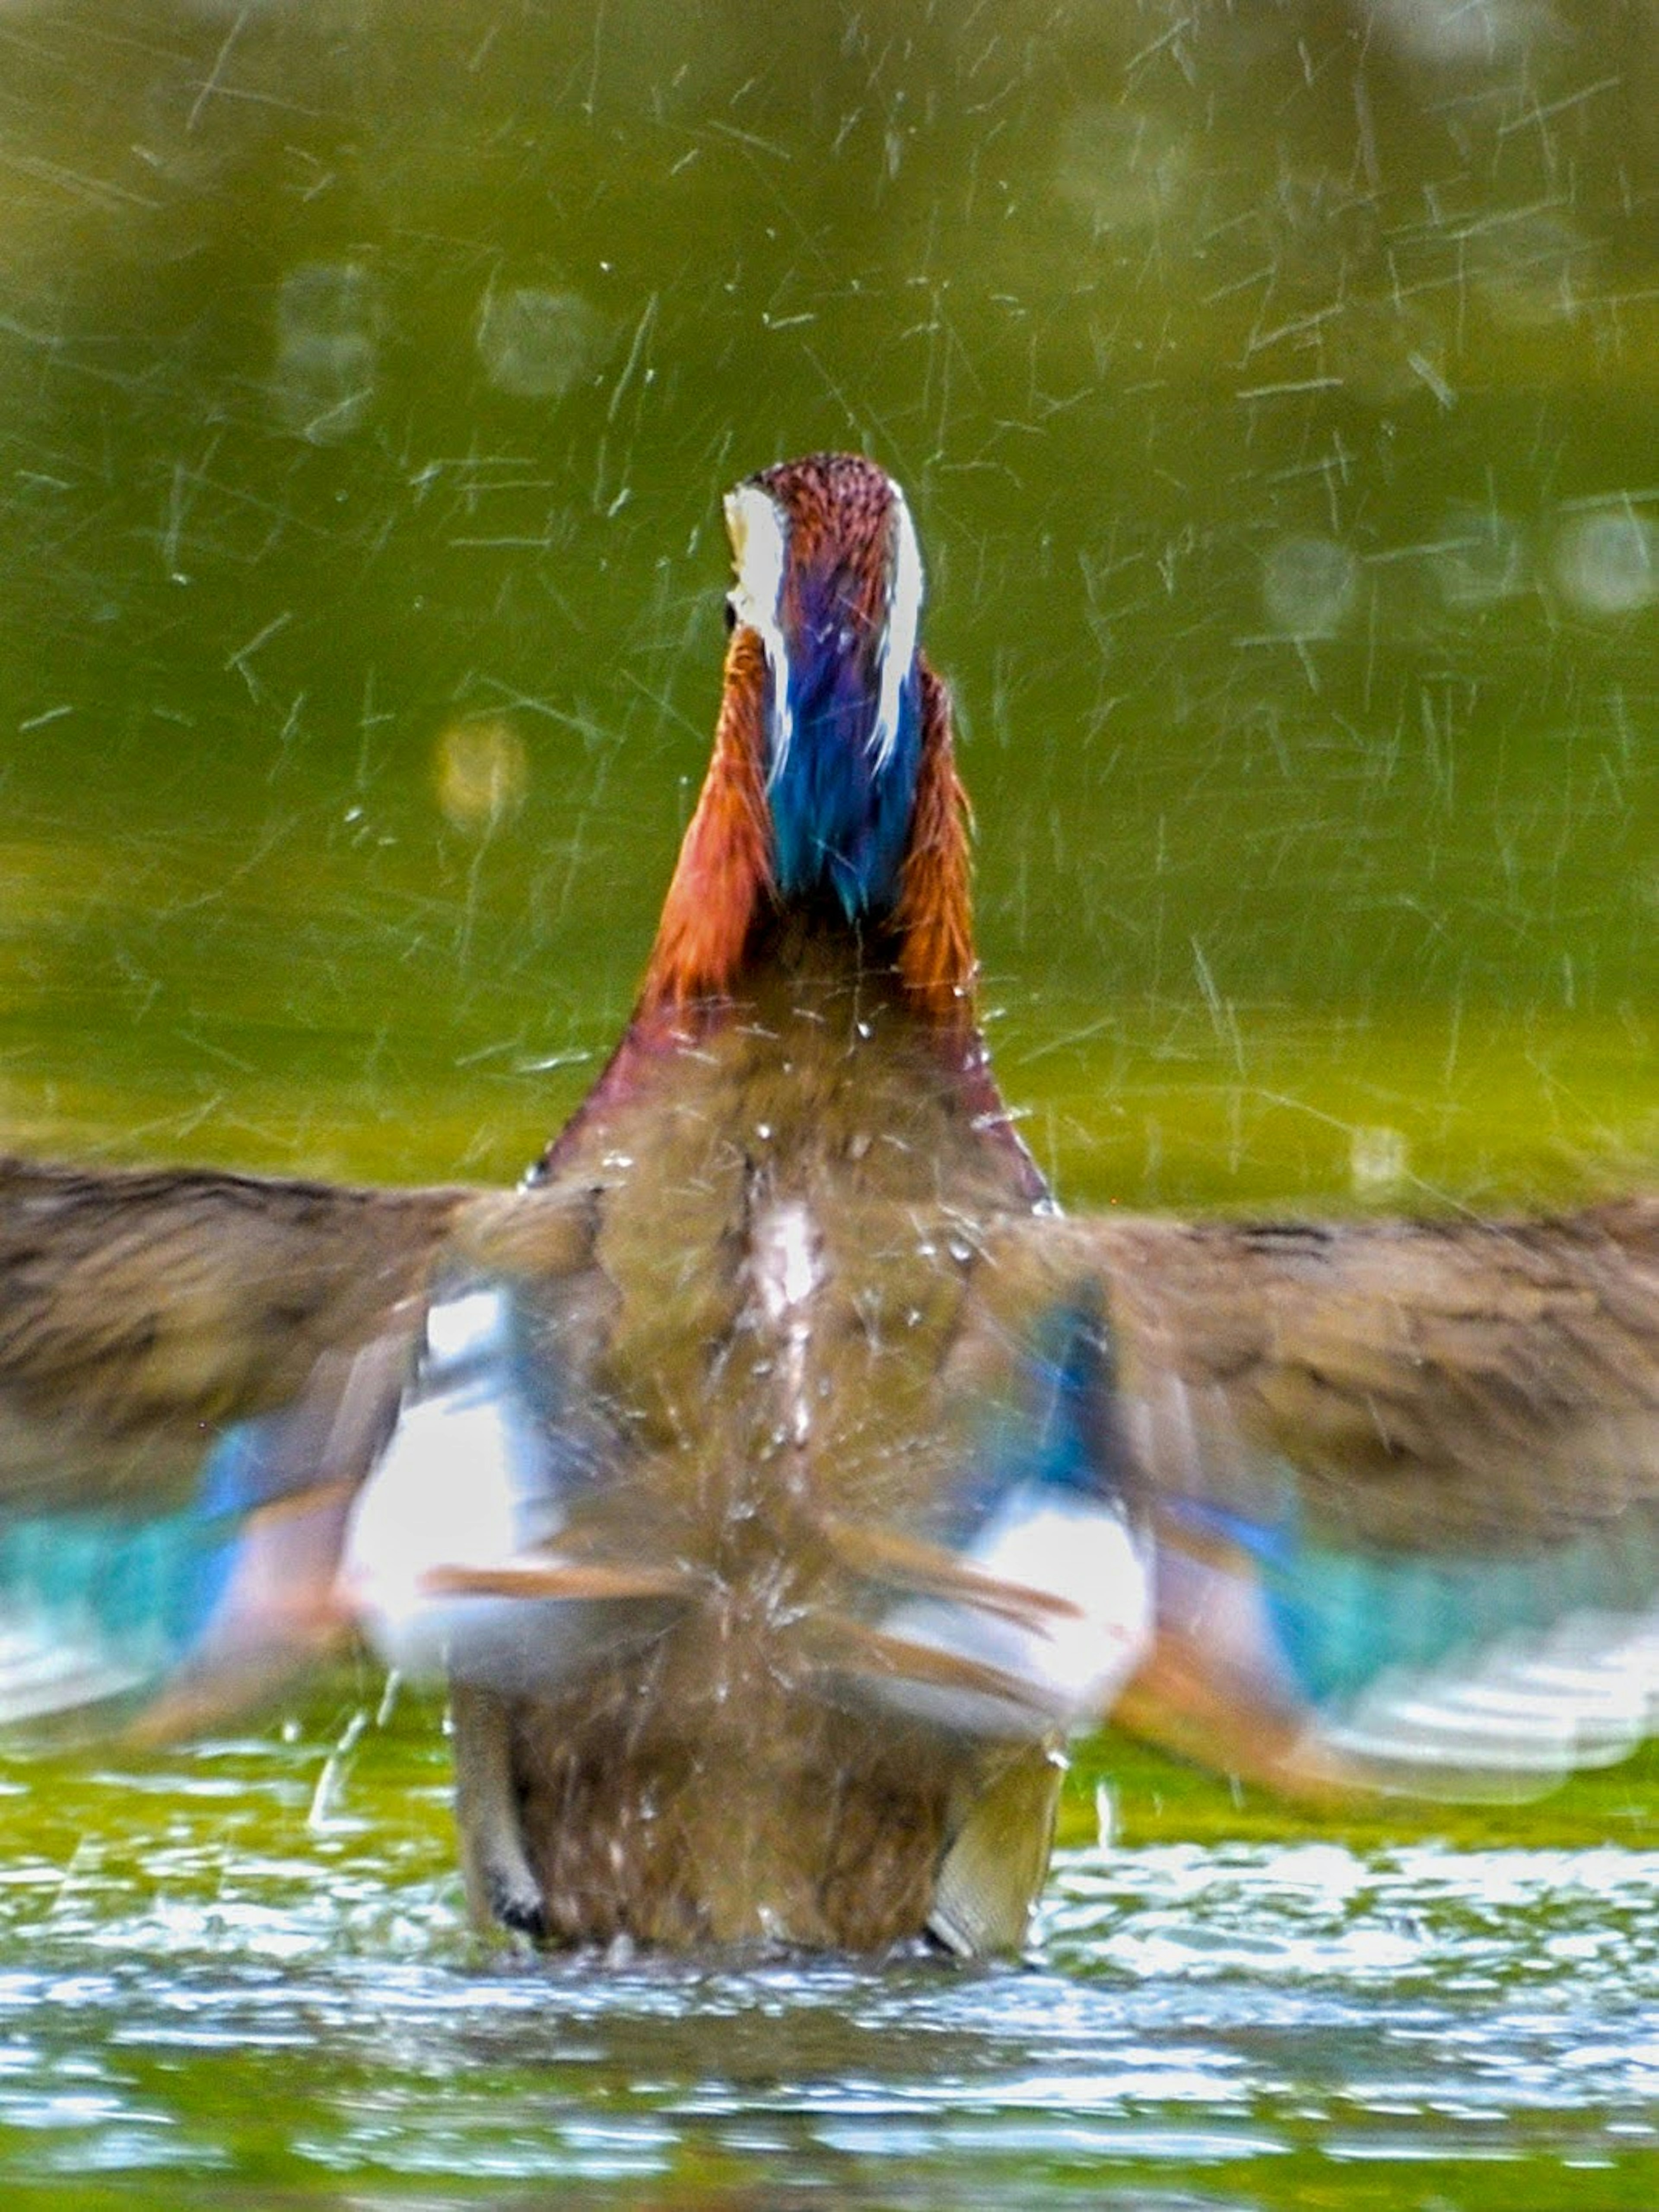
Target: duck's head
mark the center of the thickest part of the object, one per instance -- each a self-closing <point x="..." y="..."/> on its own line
<point x="829" y="583"/>
<point x="832" y="796"/>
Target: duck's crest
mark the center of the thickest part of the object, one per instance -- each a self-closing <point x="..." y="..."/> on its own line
<point x="833" y="791"/>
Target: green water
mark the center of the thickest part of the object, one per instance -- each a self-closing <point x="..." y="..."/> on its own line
<point x="242" y="1975"/>
<point x="1274" y="388"/>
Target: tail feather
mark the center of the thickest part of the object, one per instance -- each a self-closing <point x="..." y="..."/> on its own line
<point x="930" y="1681"/>
<point x="569" y="1582"/>
<point x="925" y="1569"/>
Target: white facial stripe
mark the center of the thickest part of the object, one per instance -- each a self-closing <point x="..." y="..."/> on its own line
<point x="898" y="644"/>
<point x="759" y="550"/>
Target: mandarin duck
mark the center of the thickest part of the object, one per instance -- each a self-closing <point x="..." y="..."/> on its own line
<point x="776" y="1478"/>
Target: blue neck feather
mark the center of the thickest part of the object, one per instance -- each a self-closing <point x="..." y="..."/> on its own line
<point x="840" y="822"/>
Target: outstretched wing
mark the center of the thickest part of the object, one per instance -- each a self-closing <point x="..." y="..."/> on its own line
<point x="1404" y="1487"/>
<point x="195" y="1372"/>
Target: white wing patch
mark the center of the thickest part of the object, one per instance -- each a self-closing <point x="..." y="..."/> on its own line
<point x="1079" y="1552"/>
<point x="451" y="1490"/>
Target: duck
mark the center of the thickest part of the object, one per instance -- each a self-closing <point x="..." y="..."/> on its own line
<point x="776" y="1479"/>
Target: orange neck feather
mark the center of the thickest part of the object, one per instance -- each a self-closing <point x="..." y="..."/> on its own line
<point x="722" y="883"/>
<point x="724" y="871"/>
<point x="934" y="918"/>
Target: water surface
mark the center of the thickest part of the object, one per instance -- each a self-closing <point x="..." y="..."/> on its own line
<point x="246" y="1968"/>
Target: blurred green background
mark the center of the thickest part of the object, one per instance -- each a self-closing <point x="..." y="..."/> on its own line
<point x="1274" y="387"/>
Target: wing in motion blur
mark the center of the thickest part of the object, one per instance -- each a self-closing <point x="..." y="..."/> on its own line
<point x="1406" y="1485"/>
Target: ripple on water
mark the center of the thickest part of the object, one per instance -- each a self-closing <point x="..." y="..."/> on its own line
<point x="1201" y="2022"/>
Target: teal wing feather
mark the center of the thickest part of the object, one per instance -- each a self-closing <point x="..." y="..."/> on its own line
<point x="1406" y="1491"/>
<point x="197" y="1371"/>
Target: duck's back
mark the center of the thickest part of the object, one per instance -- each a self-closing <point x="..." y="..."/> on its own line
<point x="785" y="1345"/>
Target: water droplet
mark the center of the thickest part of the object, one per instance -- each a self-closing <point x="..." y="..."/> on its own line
<point x="1105" y="1814"/>
<point x="327" y="350"/>
<point x="1122" y="168"/>
<point x="1480" y="557"/>
<point x="480" y="773"/>
<point x="1535" y="269"/>
<point x="1307" y="585"/>
<point x="1377" y="1160"/>
<point x="537" y="344"/>
<point x="1607" y="561"/>
<point x="1452" y="32"/>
